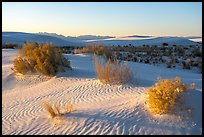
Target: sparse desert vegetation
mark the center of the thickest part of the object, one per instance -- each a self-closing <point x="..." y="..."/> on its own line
<point x="55" y="111"/>
<point x="183" y="57"/>
<point x="96" y="49"/>
<point x="102" y="68"/>
<point x="112" y="69"/>
<point x="112" y="72"/>
<point x="40" y="58"/>
<point x="164" y="96"/>
<point x="98" y="105"/>
<point x="9" y="46"/>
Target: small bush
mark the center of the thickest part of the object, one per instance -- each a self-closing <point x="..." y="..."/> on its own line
<point x="55" y="111"/>
<point x="40" y="58"/>
<point x="52" y="111"/>
<point x="164" y="95"/>
<point x="112" y="72"/>
<point x="186" y="65"/>
<point x="9" y="46"/>
<point x="169" y="63"/>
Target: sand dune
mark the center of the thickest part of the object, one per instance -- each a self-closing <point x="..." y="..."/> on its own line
<point x="98" y="108"/>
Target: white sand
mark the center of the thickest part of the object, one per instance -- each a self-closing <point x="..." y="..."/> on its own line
<point x="98" y="108"/>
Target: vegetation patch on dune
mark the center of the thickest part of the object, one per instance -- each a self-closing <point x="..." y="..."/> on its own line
<point x="165" y="95"/>
<point x="40" y="58"/>
<point x="55" y="112"/>
<point x="112" y="72"/>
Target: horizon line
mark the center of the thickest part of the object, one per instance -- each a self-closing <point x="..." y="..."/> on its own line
<point x="105" y="35"/>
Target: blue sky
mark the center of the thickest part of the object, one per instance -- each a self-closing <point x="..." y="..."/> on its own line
<point x="104" y="18"/>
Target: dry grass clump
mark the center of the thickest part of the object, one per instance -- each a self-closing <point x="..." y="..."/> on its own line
<point x="40" y="58"/>
<point x="112" y="72"/>
<point x="68" y="107"/>
<point x="55" y="112"/>
<point x="164" y="96"/>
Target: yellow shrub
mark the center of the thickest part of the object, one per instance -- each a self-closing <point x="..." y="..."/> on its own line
<point x="41" y="58"/>
<point x="163" y="96"/>
<point x="52" y="111"/>
<point x="21" y="65"/>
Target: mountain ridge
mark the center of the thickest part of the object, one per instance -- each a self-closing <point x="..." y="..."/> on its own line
<point x="61" y="40"/>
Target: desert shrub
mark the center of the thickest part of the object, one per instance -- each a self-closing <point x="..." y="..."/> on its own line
<point x="186" y="65"/>
<point x="9" y="46"/>
<point x="52" y="111"/>
<point x="21" y="65"/>
<point x="96" y="49"/>
<point x="165" y="94"/>
<point x="109" y="54"/>
<point x="55" y="111"/>
<point x="112" y="72"/>
<point x="169" y="63"/>
<point x="106" y="52"/>
<point x="77" y="51"/>
<point x="196" y="52"/>
<point x="146" y="61"/>
<point x="40" y="58"/>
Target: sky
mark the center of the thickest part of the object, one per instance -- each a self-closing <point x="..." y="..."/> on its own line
<point x="104" y="18"/>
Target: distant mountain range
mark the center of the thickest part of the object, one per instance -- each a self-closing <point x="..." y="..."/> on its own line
<point x="60" y="40"/>
<point x="21" y="37"/>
